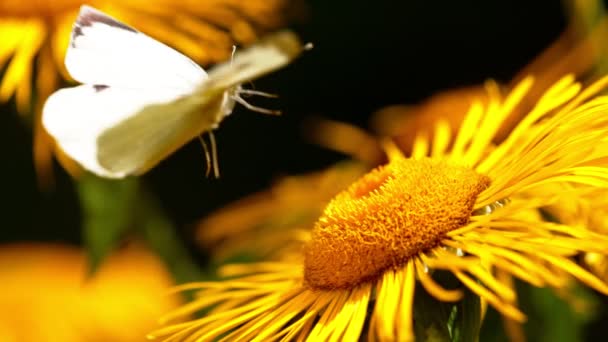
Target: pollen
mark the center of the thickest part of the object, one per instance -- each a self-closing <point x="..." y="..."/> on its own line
<point x="388" y="216"/>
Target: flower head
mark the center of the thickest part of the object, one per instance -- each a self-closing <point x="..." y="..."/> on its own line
<point x="387" y="217"/>
<point x="578" y="50"/>
<point x="266" y="220"/>
<point x="46" y="294"/>
<point x="588" y="211"/>
<point x="458" y="204"/>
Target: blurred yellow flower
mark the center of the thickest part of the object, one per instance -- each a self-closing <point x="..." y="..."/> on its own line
<point x="46" y="295"/>
<point x="263" y="223"/>
<point x="590" y="211"/>
<point x="459" y="204"/>
<point x="576" y="51"/>
<point x="35" y="36"/>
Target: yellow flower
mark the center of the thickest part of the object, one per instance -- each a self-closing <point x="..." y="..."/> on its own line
<point x="589" y="211"/>
<point x="263" y="223"/>
<point x="596" y="215"/>
<point x="578" y="50"/>
<point x="35" y="36"/>
<point x="458" y="204"/>
<point x="46" y="294"/>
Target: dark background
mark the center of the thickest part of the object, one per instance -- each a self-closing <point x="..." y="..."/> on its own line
<point x="367" y="54"/>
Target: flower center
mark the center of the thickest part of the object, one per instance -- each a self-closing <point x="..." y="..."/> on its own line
<point x="36" y="8"/>
<point x="389" y="215"/>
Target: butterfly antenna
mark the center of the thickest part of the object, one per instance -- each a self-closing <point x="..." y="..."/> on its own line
<point x="232" y="55"/>
<point x="210" y="155"/>
<point x="216" y="168"/>
<point x="207" y="154"/>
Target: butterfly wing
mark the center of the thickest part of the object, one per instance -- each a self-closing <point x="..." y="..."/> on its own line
<point x="163" y="128"/>
<point x="156" y="120"/>
<point x="141" y="99"/>
<point x="139" y="142"/>
<point x="125" y="72"/>
<point x="269" y="54"/>
<point x="104" y="51"/>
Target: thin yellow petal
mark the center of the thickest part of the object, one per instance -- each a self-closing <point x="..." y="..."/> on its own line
<point x="60" y="39"/>
<point x="406" y="305"/>
<point x="467" y="131"/>
<point x="302" y="325"/>
<point x="392" y="151"/>
<point x="349" y="322"/>
<point x="441" y="138"/>
<point x="12" y="32"/>
<point x="385" y="310"/>
<point x="264" y="326"/>
<point x="23" y="91"/>
<point x="17" y="70"/>
<point x="320" y="332"/>
<point x="46" y="83"/>
<point x="552" y="99"/>
<point x="503" y="307"/>
<point x="492" y="122"/>
<point x="421" y="147"/>
<point x="435" y="289"/>
<point x="577" y="271"/>
<point x="492" y="283"/>
<point x="489" y="256"/>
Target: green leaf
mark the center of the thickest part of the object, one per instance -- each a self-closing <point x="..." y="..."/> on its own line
<point x="467" y="321"/>
<point x="161" y="234"/>
<point x="431" y="317"/>
<point x="107" y="207"/>
<point x="492" y="329"/>
<point x="113" y="208"/>
<point x="550" y="318"/>
<point x="441" y="321"/>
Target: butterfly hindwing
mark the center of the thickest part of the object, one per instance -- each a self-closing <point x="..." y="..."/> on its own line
<point x="139" y="142"/>
<point x="76" y="117"/>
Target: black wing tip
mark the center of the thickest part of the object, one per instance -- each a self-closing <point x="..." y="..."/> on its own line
<point x="100" y="87"/>
<point x="89" y="16"/>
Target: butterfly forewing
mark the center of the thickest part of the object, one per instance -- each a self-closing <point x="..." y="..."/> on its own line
<point x="104" y="51"/>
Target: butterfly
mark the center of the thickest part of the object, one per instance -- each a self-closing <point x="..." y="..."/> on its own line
<point x="140" y="100"/>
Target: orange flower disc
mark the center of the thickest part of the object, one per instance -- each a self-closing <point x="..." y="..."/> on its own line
<point x="389" y="215"/>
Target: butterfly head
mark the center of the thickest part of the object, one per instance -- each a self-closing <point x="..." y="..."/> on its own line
<point x="229" y="101"/>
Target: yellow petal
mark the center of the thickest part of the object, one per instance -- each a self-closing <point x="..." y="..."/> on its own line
<point x="18" y="68"/>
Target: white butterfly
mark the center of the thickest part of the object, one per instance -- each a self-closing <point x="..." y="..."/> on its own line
<point x="141" y="100"/>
